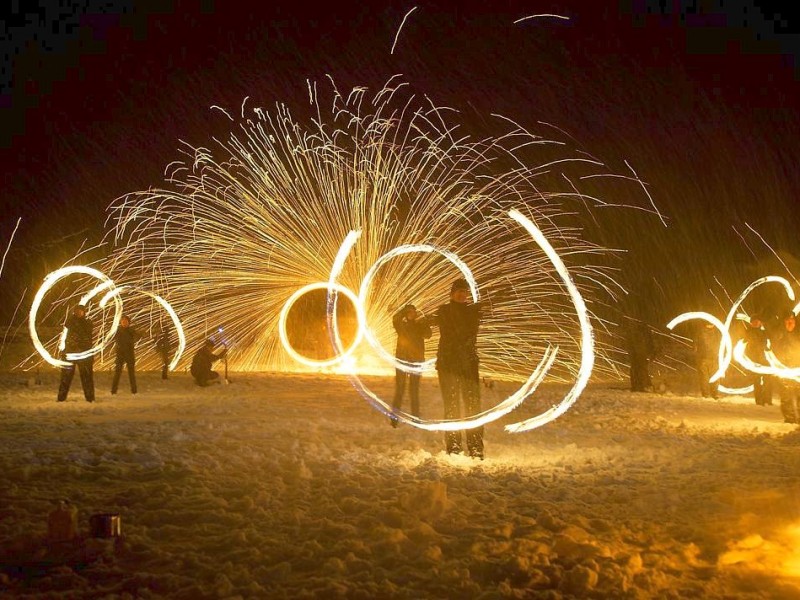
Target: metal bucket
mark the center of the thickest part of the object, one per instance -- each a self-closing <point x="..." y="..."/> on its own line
<point x="105" y="525"/>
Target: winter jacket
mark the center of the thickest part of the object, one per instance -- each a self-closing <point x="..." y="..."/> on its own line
<point x="124" y="342"/>
<point x="79" y="334"/>
<point x="458" y="331"/>
<point x="706" y="343"/>
<point x="202" y="361"/>
<point x="786" y="347"/>
<point x="411" y="336"/>
<point x="756" y="339"/>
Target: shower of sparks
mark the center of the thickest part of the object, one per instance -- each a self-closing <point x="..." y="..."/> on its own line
<point x="13" y="233"/>
<point x="397" y="35"/>
<point x="240" y="228"/>
<point x="541" y="16"/>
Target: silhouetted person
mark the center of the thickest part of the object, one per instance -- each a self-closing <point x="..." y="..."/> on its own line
<point x="201" y="364"/>
<point x="787" y="351"/>
<point x="756" y="338"/>
<point x="164" y="349"/>
<point x="706" y="352"/>
<point x="411" y="335"/>
<point x="124" y="345"/>
<point x="79" y="339"/>
<point x="640" y="350"/>
<point x="457" y="365"/>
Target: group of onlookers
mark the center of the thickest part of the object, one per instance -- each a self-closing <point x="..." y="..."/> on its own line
<point x="78" y="343"/>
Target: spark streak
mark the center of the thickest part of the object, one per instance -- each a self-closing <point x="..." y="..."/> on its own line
<point x="49" y="282"/>
<point x="540" y="16"/>
<point x="241" y="227"/>
<point x="3" y="262"/>
<point x="397" y="35"/>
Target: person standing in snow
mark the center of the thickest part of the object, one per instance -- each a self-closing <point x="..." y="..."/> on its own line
<point x="124" y="343"/>
<point x="411" y="335"/>
<point x="756" y="339"/>
<point x="203" y="359"/>
<point x="457" y="365"/>
<point x="641" y="350"/>
<point x="78" y="339"/>
<point x="164" y="349"/>
<point x="706" y="352"/>
<point x="787" y="351"/>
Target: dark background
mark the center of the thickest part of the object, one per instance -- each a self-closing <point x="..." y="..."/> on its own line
<point x="701" y="98"/>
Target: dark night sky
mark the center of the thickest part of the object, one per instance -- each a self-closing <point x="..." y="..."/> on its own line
<point x="702" y="102"/>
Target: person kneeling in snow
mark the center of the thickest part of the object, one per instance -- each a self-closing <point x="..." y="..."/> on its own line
<point x="201" y="364"/>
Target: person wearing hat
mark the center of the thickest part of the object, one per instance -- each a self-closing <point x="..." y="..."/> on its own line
<point x="411" y="335"/>
<point x="202" y="361"/>
<point x="457" y="366"/>
<point x="124" y="343"/>
<point x="79" y="330"/>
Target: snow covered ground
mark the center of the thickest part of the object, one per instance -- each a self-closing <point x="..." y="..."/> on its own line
<point x="291" y="486"/>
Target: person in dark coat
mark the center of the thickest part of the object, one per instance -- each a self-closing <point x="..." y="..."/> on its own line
<point x="457" y="365"/>
<point x="164" y="349"/>
<point x="411" y="335"/>
<point x="201" y="364"/>
<point x="79" y="339"/>
<point x="124" y="343"/>
<point x="641" y="350"/>
<point x="706" y="352"/>
<point x="756" y="338"/>
<point x="787" y="350"/>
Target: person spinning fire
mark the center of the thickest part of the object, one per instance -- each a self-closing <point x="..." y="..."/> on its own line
<point x="79" y="339"/>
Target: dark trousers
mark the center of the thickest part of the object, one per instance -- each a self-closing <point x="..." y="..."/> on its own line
<point x="762" y="389"/>
<point x="118" y="364"/>
<point x="706" y="367"/>
<point x="789" y="407"/>
<point x="457" y="388"/>
<point x="86" y="370"/>
<point x="400" y="380"/>
<point x="206" y="378"/>
<point x="164" y="366"/>
<point x="640" y="375"/>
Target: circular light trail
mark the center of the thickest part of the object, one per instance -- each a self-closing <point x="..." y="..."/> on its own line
<point x="726" y="350"/>
<point x="405" y="365"/>
<point x="48" y="283"/>
<point x="587" y="334"/>
<point x="341" y="355"/>
<point x="527" y="388"/>
<point x="167" y="307"/>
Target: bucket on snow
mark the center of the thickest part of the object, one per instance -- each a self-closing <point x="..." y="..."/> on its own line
<point x="105" y="525"/>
